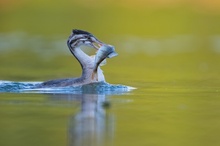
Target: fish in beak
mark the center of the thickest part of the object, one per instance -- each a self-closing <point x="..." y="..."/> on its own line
<point x="105" y="51"/>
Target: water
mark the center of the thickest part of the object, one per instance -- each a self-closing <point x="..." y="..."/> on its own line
<point x="175" y="103"/>
<point x="176" y="100"/>
<point x="170" y="54"/>
<point x="31" y="87"/>
<point x="81" y="111"/>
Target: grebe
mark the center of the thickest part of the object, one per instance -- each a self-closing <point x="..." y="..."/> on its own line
<point x="91" y="71"/>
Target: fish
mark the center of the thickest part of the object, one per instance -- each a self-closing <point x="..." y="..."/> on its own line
<point x="105" y="51"/>
<point x="102" y="63"/>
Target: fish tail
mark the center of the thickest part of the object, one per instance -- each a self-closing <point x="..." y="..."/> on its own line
<point x="112" y="54"/>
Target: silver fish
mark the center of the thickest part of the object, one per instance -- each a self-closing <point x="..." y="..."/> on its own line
<point x="105" y="51"/>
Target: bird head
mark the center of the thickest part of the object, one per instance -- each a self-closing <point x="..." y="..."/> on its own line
<point x="81" y="37"/>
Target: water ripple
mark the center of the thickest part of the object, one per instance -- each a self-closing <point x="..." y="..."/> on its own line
<point x="96" y="88"/>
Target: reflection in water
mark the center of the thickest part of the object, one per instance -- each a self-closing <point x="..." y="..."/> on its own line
<point x="91" y="126"/>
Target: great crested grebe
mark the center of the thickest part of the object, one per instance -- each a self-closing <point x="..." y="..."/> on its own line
<point x="91" y="71"/>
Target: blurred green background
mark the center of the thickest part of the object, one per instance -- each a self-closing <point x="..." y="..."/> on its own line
<point x="168" y="49"/>
<point x="151" y="32"/>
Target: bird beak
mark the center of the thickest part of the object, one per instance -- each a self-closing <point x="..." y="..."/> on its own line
<point x="96" y="43"/>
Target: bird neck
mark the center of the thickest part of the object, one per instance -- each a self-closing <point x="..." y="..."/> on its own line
<point x="87" y="65"/>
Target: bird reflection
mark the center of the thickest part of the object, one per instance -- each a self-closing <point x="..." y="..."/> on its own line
<point x="91" y="125"/>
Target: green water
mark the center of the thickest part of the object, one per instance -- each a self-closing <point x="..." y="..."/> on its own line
<point x="171" y="55"/>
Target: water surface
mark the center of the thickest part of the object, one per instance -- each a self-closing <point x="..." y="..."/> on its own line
<point x="175" y="103"/>
<point x="169" y="53"/>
